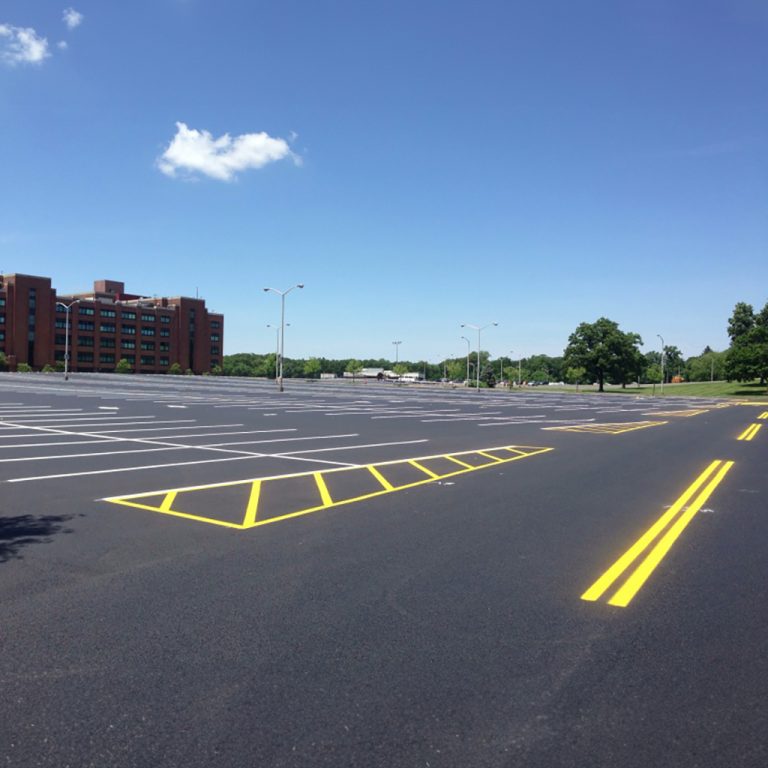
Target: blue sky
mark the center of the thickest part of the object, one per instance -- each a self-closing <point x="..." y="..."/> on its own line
<point x="416" y="164"/>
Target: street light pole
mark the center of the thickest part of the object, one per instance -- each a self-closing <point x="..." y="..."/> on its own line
<point x="282" y="295"/>
<point x="662" y="362"/>
<point x="397" y="349"/>
<point x="67" y="308"/>
<point x="467" y="340"/>
<point x="478" y="328"/>
<point x="277" y="347"/>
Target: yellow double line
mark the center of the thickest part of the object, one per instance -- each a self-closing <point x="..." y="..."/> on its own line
<point x="749" y="432"/>
<point x="674" y="520"/>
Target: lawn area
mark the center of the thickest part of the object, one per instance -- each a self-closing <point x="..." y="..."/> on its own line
<point x="741" y="390"/>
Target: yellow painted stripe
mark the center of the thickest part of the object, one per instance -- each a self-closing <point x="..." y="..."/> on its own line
<point x="488" y="456"/>
<point x="168" y="501"/>
<point x="323" y="488"/>
<point x="253" y="504"/>
<point x="621" y="565"/>
<point x="383" y="480"/>
<point x="457" y="461"/>
<point x="749" y="432"/>
<point x="656" y="555"/>
<point x="763" y="415"/>
<point x="197" y="518"/>
<point x="426" y="471"/>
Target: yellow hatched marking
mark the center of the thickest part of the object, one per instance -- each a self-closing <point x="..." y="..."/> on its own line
<point x="712" y="475"/>
<point x="678" y="413"/>
<point x="763" y="415"/>
<point x="426" y="471"/>
<point x="250" y="517"/>
<point x="383" y="480"/>
<point x="253" y="503"/>
<point x="323" y="488"/>
<point x="168" y="501"/>
<point x="488" y="456"/>
<point x="617" y="428"/>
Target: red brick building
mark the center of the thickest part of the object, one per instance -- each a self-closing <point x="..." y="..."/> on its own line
<point x="106" y="325"/>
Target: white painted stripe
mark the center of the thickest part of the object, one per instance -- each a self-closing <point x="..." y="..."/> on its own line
<point x="133" y="469"/>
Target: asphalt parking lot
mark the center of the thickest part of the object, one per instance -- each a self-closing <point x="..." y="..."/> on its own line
<point x="207" y="572"/>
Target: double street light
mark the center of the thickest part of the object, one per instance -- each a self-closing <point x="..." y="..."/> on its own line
<point x="282" y="295"/>
<point x="277" y="347"/>
<point x="479" y="329"/>
<point x="467" y="340"/>
<point x="67" y="309"/>
<point x="397" y="349"/>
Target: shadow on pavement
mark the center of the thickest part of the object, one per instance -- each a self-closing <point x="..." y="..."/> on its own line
<point x="17" y="532"/>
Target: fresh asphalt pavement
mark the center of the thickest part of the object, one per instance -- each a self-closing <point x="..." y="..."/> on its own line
<point x="166" y="605"/>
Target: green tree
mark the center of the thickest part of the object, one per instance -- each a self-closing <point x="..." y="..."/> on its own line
<point x="217" y="370"/>
<point x="312" y="368"/>
<point x="488" y="376"/>
<point x="123" y="366"/>
<point x="354" y="367"/>
<point x="605" y="352"/>
<point x="673" y="363"/>
<point x="748" y="354"/>
<point x="575" y="375"/>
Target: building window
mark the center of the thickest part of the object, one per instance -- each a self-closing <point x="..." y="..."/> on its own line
<point x="164" y="319"/>
<point x="107" y="328"/>
<point x="215" y="325"/>
<point x="129" y="330"/>
<point x="108" y="343"/>
<point x="58" y="354"/>
<point x="2" y="319"/>
<point x="130" y="358"/>
<point x="148" y="318"/>
<point x="215" y="337"/>
<point x="86" y="310"/>
<point x="61" y="322"/>
<point x="165" y="346"/>
<point x="164" y="361"/>
<point x="85" y="325"/>
<point x="85" y="357"/>
<point x="60" y="339"/>
<point x="127" y="344"/>
<point x="2" y="302"/>
<point x="147" y="359"/>
<point x="215" y="351"/>
<point x="85" y="341"/>
<point x="2" y="335"/>
<point x="149" y="345"/>
<point x="107" y="357"/>
<point x="108" y="313"/>
<point x="147" y="331"/>
<point x="165" y="332"/>
<point x="129" y="315"/>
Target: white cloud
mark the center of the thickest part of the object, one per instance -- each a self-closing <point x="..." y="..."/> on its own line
<point x="62" y="45"/>
<point x="22" y="45"/>
<point x="72" y="18"/>
<point x="193" y="151"/>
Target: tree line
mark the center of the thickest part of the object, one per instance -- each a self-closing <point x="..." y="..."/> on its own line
<point x="598" y="352"/>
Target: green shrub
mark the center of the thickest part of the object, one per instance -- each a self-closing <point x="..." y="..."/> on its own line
<point x="175" y="370"/>
<point x="123" y="366"/>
